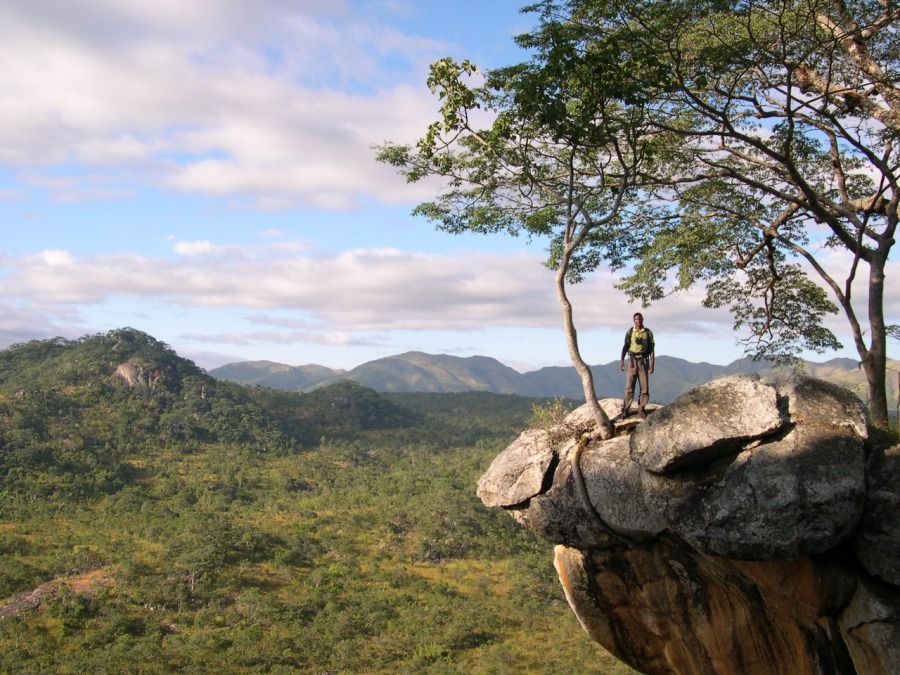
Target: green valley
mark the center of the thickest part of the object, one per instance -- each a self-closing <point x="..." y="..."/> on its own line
<point x="156" y="520"/>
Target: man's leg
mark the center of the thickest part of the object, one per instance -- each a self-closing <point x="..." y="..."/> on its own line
<point x="630" y="377"/>
<point x="644" y="380"/>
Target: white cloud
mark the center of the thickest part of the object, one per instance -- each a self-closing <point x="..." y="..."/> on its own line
<point x="275" y="102"/>
<point x="192" y="248"/>
<point x="355" y="291"/>
<point x="21" y="322"/>
<point x="56" y="258"/>
<point x="285" y="337"/>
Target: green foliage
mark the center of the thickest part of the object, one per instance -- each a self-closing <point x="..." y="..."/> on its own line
<point x="551" y="417"/>
<point x="144" y="530"/>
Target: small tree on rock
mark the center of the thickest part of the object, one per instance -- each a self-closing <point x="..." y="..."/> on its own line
<point x="557" y="157"/>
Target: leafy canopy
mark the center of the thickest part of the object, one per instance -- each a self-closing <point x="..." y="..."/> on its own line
<point x="536" y="149"/>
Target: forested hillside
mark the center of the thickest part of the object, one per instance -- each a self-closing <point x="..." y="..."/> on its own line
<point x="155" y="520"/>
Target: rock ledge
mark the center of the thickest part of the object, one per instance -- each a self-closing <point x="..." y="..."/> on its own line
<point x="750" y="526"/>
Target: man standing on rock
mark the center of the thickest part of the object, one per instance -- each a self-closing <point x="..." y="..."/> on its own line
<point x="639" y="348"/>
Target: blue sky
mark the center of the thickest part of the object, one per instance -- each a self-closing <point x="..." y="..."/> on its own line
<point x="203" y="171"/>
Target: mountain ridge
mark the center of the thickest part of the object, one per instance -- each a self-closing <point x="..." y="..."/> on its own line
<point x="417" y="371"/>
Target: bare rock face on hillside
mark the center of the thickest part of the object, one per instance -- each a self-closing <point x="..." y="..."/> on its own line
<point x="750" y="526"/>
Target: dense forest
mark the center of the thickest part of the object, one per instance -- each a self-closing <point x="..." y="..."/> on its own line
<point x="155" y="520"/>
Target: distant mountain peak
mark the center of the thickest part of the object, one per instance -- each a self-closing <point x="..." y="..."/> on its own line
<point x="417" y="371"/>
<point x="275" y="375"/>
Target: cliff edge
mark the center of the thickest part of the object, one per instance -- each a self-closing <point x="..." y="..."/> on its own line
<point x="752" y="525"/>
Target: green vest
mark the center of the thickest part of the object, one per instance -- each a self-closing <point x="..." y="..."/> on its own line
<point x="640" y="343"/>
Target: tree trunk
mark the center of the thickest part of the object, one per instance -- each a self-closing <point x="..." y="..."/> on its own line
<point x="604" y="427"/>
<point x="877" y="383"/>
<point x="874" y="361"/>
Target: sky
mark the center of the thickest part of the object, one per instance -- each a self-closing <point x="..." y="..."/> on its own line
<point x="204" y="172"/>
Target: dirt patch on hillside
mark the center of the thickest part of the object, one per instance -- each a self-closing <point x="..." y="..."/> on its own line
<point x="81" y="584"/>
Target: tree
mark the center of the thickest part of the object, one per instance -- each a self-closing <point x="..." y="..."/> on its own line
<point x="788" y="113"/>
<point x="558" y="158"/>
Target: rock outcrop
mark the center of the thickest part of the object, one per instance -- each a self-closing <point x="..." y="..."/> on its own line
<point x="136" y="374"/>
<point x="750" y="526"/>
